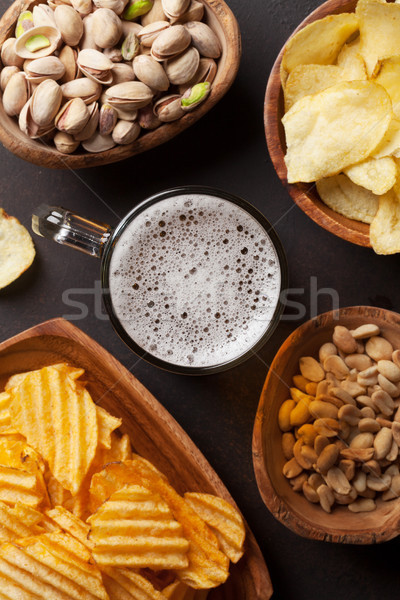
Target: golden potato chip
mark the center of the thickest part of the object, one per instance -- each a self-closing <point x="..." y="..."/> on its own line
<point x="5" y="417"/>
<point x="379" y="32"/>
<point x="318" y="43"/>
<point x="58" y="495"/>
<point x="18" y="378"/>
<point x="390" y="143"/>
<point x="223" y="519"/>
<point x="16" y="249"/>
<point x="389" y="78"/>
<point x="126" y="584"/>
<point x="351" y="62"/>
<point x="320" y="141"/>
<point x="136" y="528"/>
<point x="348" y="199"/>
<point x="13" y="525"/>
<point x="120" y="450"/>
<point x="70" y="524"/>
<point x="60" y="421"/>
<point x="385" y="228"/>
<point x="17" y="485"/>
<point x="306" y="80"/>
<point x="375" y="174"/>
<point x="180" y="591"/>
<point x="51" y="567"/>
<point x="106" y="424"/>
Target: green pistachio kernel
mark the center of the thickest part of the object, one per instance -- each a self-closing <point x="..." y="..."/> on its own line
<point x="130" y="47"/>
<point x="25" y="22"/>
<point x="197" y="94"/>
<point x="137" y="8"/>
<point x="37" y="42"/>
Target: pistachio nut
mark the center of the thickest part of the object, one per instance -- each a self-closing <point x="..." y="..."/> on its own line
<point x="137" y="8"/>
<point x="116" y="5"/>
<point x="182" y="68"/>
<point x="149" y="33"/>
<point x="16" y="94"/>
<point x="83" y="7"/>
<point x="98" y="143"/>
<point x="68" y="57"/>
<point x="87" y="39"/>
<point x="25" y="22"/>
<point x="91" y="126"/>
<point x="130" y="95"/>
<point x="107" y="119"/>
<point x="147" y="119"/>
<point x="168" y="108"/>
<point x="170" y="42"/>
<point x="195" y="95"/>
<point x="175" y="8"/>
<point x="125" y="132"/>
<point x="48" y="67"/>
<point x="5" y="76"/>
<point x="43" y="15"/>
<point x="9" y="57"/>
<point x="23" y="118"/>
<point x="72" y="117"/>
<point x="69" y="24"/>
<point x="65" y="143"/>
<point x="84" y="88"/>
<point x="127" y="115"/>
<point x="150" y="72"/>
<point x="131" y="27"/>
<point x="95" y="65"/>
<point x="195" y="12"/>
<point x="107" y="28"/>
<point x="156" y="13"/>
<point x="29" y="127"/>
<point x="38" y="42"/>
<point x="206" y="72"/>
<point x="204" y="39"/>
<point x="45" y="102"/>
<point x="130" y="46"/>
<point x="122" y="72"/>
<point x="114" y="54"/>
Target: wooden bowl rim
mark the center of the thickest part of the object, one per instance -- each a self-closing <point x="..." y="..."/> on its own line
<point x="48" y="156"/>
<point x="251" y="571"/>
<point x="280" y="509"/>
<point x="347" y="229"/>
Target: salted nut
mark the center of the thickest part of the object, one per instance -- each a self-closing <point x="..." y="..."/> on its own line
<point x="98" y="72"/>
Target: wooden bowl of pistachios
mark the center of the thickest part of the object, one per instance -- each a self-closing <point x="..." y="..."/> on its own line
<point x="86" y="83"/>
<point x="327" y="431"/>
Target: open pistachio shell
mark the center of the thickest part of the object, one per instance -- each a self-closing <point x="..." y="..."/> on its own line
<point x="5" y="76"/>
<point x="129" y="96"/>
<point x="24" y="42"/>
<point x="16" y="94"/>
<point x="150" y="72"/>
<point x="204" y="39"/>
<point x="195" y="12"/>
<point x="168" y="108"/>
<point x="107" y="119"/>
<point x="73" y="116"/>
<point x="65" y="143"/>
<point x="195" y="95"/>
<point x="183" y="67"/>
<point x="147" y="119"/>
<point x="137" y="8"/>
<point x="91" y="126"/>
<point x="68" y="58"/>
<point x="95" y="66"/>
<point x="45" y="102"/>
<point x="69" y="24"/>
<point x="170" y="42"/>
<point x="206" y="72"/>
<point x="25" y="22"/>
<point x="125" y="132"/>
<point x="84" y="88"/>
<point x="175" y="8"/>
<point x="149" y="33"/>
<point x="48" y="67"/>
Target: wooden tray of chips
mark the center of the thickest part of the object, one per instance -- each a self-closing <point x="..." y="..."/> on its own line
<point x="154" y="433"/>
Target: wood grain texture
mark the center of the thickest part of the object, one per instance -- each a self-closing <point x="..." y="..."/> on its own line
<point x="154" y="433"/>
<point x="289" y="507"/>
<point x="305" y="195"/>
<point x="218" y="16"/>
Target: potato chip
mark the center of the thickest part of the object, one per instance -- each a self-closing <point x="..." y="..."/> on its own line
<point x="351" y="62"/>
<point x="16" y="249"/>
<point x="120" y="450"/>
<point x="375" y="174"/>
<point x="13" y="525"/>
<point x="306" y="80"/>
<point x="389" y="78"/>
<point x="18" y="378"/>
<point x="390" y="143"/>
<point x="52" y="566"/>
<point x="106" y="424"/>
<point x="126" y="584"/>
<point x="70" y="524"/>
<point x="136" y="528"/>
<point x="318" y="43"/>
<point x="223" y="519"/>
<point x="17" y="485"/>
<point x="347" y="198"/>
<point x="379" y="32"/>
<point x="180" y="591"/>
<point x="385" y="228"/>
<point x="5" y="417"/>
<point x="320" y="141"/>
<point x="60" y="421"/>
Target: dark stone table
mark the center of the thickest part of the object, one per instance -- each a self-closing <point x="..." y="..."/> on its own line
<point x="225" y="149"/>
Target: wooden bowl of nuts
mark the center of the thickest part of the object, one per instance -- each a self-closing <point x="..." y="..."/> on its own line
<point x="305" y="195"/>
<point x="90" y="83"/>
<point x="327" y="430"/>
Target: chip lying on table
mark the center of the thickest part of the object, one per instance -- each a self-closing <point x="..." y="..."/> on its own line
<point x="341" y="81"/>
<point x="84" y="518"/>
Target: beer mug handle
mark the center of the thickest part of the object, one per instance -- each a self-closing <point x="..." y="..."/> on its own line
<point x="67" y="228"/>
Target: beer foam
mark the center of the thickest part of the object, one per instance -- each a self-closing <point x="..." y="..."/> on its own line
<point x="195" y="280"/>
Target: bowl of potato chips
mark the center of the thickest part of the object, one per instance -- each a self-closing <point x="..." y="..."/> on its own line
<point x="332" y="120"/>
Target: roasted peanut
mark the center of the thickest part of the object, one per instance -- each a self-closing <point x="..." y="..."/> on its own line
<point x="343" y="340"/>
<point x="327" y="458"/>
<point x="368" y="376"/>
<point x="292" y="468"/>
<point x="348" y="467"/>
<point x="368" y="424"/>
<point x="383" y="402"/>
<point x="383" y="442"/>
<point x="360" y="482"/>
<point x="396" y="432"/>
<point x="366" y="401"/>
<point x="300" y="382"/>
<point x="362" y="505"/>
<point x="388" y="386"/>
<point x="389" y="370"/>
<point x="365" y="331"/>
<point x="349" y="414"/>
<point x="326" y="350"/>
<point x="307" y="433"/>
<point x="336" y="365"/>
<point x="345" y="498"/>
<point x="396" y="357"/>
<point x="300" y="413"/>
<point x="362" y="440"/>
<point x="327" y="427"/>
<point x="321" y="410"/>
<point x="315" y="480"/>
<point x="326" y="497"/>
<point x="284" y="415"/>
<point x="320" y="442"/>
<point x="379" y="484"/>
<point x="310" y="493"/>
<point x="378" y="348"/>
<point x="311" y="369"/>
<point x="297" y="482"/>
<point x="372" y="467"/>
<point x="302" y="460"/>
<point x="394" y="489"/>
<point x="358" y="361"/>
<point x="288" y="441"/>
<point x="353" y="388"/>
<point x="337" y="481"/>
<point x="311" y="388"/>
<point x="367" y="412"/>
<point x="340" y="393"/>
<point x="357" y="454"/>
<point x="393" y="452"/>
